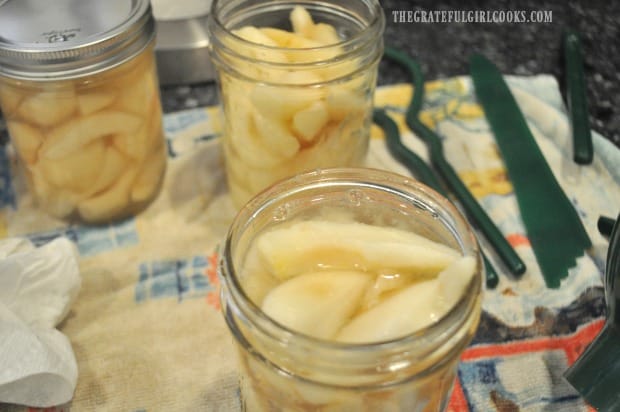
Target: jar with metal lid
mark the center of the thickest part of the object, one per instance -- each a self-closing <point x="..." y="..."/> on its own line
<point x="335" y="291"/>
<point x="296" y="82"/>
<point x="80" y="95"/>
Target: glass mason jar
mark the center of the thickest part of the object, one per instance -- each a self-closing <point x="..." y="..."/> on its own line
<point x="283" y="370"/>
<point x="296" y="82"/>
<point x="79" y="91"/>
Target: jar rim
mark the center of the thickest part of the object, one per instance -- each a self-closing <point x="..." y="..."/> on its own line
<point x="305" y="181"/>
<point x="352" y="46"/>
<point x="377" y="20"/>
<point x="73" y="55"/>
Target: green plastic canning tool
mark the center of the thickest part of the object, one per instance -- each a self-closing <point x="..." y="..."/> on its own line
<point x="596" y="374"/>
<point x="473" y="210"/>
<point x="551" y="222"/>
<point x="576" y="100"/>
<point x="605" y="225"/>
<point x="418" y="167"/>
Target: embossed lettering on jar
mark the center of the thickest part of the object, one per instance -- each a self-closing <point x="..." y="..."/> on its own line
<point x="79" y="91"/>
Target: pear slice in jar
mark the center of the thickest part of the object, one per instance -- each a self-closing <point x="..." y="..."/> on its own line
<point x="274" y="134"/>
<point x="301" y="20"/>
<point x="383" y="285"/>
<point x="330" y="148"/>
<point x="256" y="280"/>
<point x="72" y="135"/>
<point x="138" y="93"/>
<point x="280" y="37"/>
<point x="255" y="35"/>
<point x="149" y="177"/>
<point x="138" y="144"/>
<point x="314" y="36"/>
<point x="26" y="139"/>
<point x="343" y="102"/>
<point x="254" y="178"/>
<point x="294" y="249"/>
<point x="109" y="203"/>
<point x="48" y="108"/>
<point x="131" y="145"/>
<point x="297" y="44"/>
<point x="57" y="202"/>
<point x="10" y="98"/>
<point x="78" y="170"/>
<point x="324" y="34"/>
<point x="330" y="399"/>
<point x="245" y="141"/>
<point x="112" y="167"/>
<point x="236" y="169"/>
<point x="400" y="314"/>
<point x="316" y="304"/>
<point x="303" y="50"/>
<point x="91" y="102"/>
<point x="282" y="102"/>
<point x="264" y="49"/>
<point x="454" y="280"/>
<point x="335" y="146"/>
<point x="412" y="308"/>
<point x="307" y="123"/>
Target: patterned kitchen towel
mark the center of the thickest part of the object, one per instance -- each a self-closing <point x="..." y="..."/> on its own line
<point x="147" y="330"/>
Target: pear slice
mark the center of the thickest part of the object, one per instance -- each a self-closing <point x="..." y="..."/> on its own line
<point x="304" y="246"/>
<point x="342" y="103"/>
<point x="94" y="101"/>
<point x="26" y="139"/>
<point x="383" y="285"/>
<point x="132" y="145"/>
<point x="138" y="145"/>
<point x="138" y="95"/>
<point x="307" y="123"/>
<point x="274" y="134"/>
<point x="325" y="34"/>
<point x="111" y="169"/>
<point x="283" y="102"/>
<point x="72" y="135"/>
<point x="316" y="51"/>
<point x="149" y="177"/>
<point x="254" y="35"/>
<point x="244" y="140"/>
<point x="78" y="170"/>
<point x="10" y="98"/>
<point x="265" y="49"/>
<point x="318" y="303"/>
<point x="109" y="203"/>
<point x="301" y="20"/>
<point x="455" y="279"/>
<point x="280" y="37"/>
<point x="48" y="108"/>
<point x="413" y="308"/>
<point x="58" y="202"/>
<point x="255" y="280"/>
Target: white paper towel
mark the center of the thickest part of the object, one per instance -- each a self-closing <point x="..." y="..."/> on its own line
<point x="37" y="288"/>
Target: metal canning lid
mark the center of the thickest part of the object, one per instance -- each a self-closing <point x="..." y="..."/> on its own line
<point x="62" y="39"/>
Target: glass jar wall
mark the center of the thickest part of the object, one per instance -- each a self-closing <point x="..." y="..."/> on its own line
<point x="296" y="82"/>
<point x="326" y="294"/>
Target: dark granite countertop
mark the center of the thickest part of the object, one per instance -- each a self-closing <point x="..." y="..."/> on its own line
<point x="516" y="48"/>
